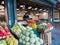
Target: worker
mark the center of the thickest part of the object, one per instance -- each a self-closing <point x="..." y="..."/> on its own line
<point x="26" y="16"/>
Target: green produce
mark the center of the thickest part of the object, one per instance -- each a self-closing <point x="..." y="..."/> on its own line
<point x="3" y="42"/>
<point x="32" y="35"/>
<point x="37" y="43"/>
<point x="42" y="26"/>
<point x="9" y="40"/>
<point x="27" y="37"/>
<point x="23" y="37"/>
<point x="24" y="42"/>
<point x="32" y="40"/>
<point x="20" y="40"/>
<point x="22" y="27"/>
<point x="17" y="29"/>
<point x="27" y="33"/>
<point x="31" y="32"/>
<point x="32" y="44"/>
<point x="41" y="41"/>
<point x="27" y="43"/>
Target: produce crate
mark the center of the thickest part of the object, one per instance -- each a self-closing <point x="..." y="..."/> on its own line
<point x="45" y="36"/>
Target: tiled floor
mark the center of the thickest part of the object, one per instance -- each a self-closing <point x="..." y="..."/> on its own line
<point x="56" y="35"/>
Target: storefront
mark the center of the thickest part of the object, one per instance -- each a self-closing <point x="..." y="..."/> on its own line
<point x="33" y="29"/>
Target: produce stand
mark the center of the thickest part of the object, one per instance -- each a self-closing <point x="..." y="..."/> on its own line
<point x="46" y="35"/>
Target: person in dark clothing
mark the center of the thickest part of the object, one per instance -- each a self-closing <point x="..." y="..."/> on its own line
<point x="26" y="16"/>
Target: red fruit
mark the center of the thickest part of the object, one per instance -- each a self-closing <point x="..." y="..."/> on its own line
<point x="1" y="33"/>
<point x="7" y="32"/>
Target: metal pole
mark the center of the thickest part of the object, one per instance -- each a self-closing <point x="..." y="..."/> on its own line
<point x="11" y="8"/>
<point x="51" y="13"/>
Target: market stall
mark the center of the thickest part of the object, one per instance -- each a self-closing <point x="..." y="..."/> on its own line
<point x="6" y="37"/>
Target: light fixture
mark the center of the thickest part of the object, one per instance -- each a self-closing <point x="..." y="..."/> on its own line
<point x="44" y="13"/>
<point x="35" y="8"/>
<point x="2" y="2"/>
<point x="22" y="5"/>
<point x="40" y="9"/>
<point x="44" y="10"/>
<point x="17" y="9"/>
<point x="29" y="7"/>
<point x="37" y="14"/>
<point x="1" y="7"/>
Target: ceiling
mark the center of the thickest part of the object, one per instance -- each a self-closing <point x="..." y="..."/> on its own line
<point x="33" y="4"/>
<point x="30" y="3"/>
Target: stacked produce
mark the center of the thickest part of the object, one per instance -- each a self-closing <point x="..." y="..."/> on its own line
<point x="6" y="38"/>
<point x="3" y="42"/>
<point x="9" y="41"/>
<point x="4" y="32"/>
<point x="17" y="29"/>
<point x="27" y="37"/>
<point x="42" y="26"/>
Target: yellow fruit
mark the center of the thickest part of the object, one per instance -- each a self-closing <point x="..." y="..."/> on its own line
<point x="15" y="41"/>
<point x="11" y="42"/>
<point x="7" y="38"/>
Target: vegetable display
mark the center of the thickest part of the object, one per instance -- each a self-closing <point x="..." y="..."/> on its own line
<point x="17" y="29"/>
<point x="27" y="37"/>
<point x="42" y="26"/>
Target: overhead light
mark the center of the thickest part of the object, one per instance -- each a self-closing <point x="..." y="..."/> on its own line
<point x="17" y="9"/>
<point x="2" y="2"/>
<point x="37" y="14"/>
<point x="35" y="8"/>
<point x="44" y="13"/>
<point x="1" y="7"/>
<point x="44" y="10"/>
<point x="40" y="9"/>
<point x="22" y="5"/>
<point x="29" y="7"/>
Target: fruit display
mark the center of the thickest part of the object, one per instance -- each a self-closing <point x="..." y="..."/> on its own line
<point x="4" y="32"/>
<point x="3" y="42"/>
<point x="6" y="38"/>
<point x="11" y="41"/>
<point x="17" y="29"/>
<point x="27" y="37"/>
<point x="33" y="25"/>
